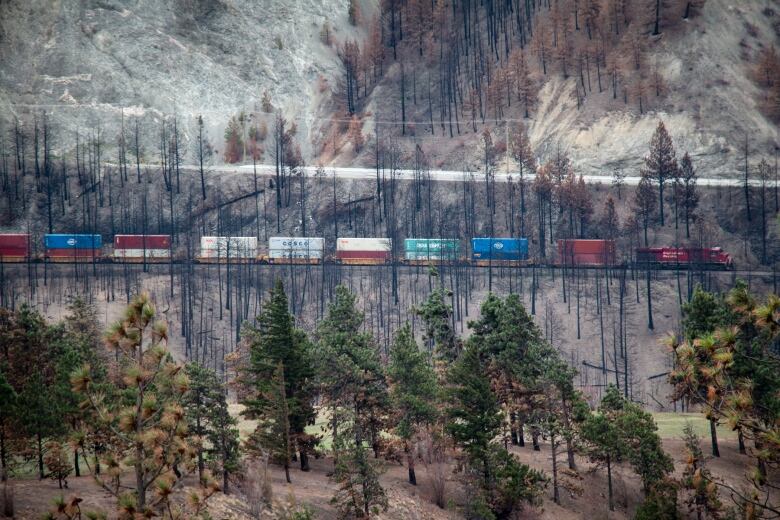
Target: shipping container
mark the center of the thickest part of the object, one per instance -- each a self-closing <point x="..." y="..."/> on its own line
<point x="363" y="250"/>
<point x="139" y="247"/>
<point x="296" y="248"/>
<point x="215" y="248"/>
<point x="14" y="247"/>
<point x="502" y="249"/>
<point x="66" y="241"/>
<point x="580" y="252"/>
<point x="142" y="241"/>
<point x="431" y="249"/>
<point x="73" y="255"/>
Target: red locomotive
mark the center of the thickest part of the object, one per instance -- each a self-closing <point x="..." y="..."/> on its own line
<point x="676" y="257"/>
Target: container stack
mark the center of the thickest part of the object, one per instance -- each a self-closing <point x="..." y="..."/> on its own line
<point x="215" y="249"/>
<point x="14" y="247"/>
<point x="363" y="251"/>
<point x="296" y="250"/>
<point x="137" y="248"/>
<point x="499" y="250"/>
<point x="430" y="249"/>
<point x="580" y="252"/>
<point x="72" y="248"/>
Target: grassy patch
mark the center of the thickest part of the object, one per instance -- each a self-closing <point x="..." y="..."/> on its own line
<point x="246" y="427"/>
<point x="670" y="425"/>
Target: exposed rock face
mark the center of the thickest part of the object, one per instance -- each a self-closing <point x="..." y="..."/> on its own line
<point x="83" y="61"/>
<point x="710" y="104"/>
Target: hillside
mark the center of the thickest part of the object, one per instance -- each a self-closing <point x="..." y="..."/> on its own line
<point x="696" y="76"/>
<point x="86" y="64"/>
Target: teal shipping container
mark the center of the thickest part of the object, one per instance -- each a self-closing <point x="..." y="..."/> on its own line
<point x="431" y="249"/>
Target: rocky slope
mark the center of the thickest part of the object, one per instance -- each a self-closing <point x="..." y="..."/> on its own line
<point x="86" y="61"/>
<point x="709" y="100"/>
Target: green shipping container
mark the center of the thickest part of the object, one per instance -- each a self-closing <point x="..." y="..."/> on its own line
<point x="431" y="249"/>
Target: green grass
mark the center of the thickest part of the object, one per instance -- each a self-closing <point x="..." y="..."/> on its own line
<point x="670" y="425"/>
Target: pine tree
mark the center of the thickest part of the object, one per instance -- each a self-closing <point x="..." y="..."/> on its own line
<point x="603" y="445"/>
<point x="209" y="420"/>
<point x="737" y="365"/>
<point x="234" y="141"/>
<point x="638" y="438"/>
<point x="143" y="417"/>
<point x="439" y="334"/>
<point x="273" y="434"/>
<point x="359" y="493"/>
<point x="697" y="479"/>
<point x="661" y="162"/>
<point x="704" y="313"/>
<point x="351" y="378"/>
<point x="645" y="202"/>
<point x="475" y="419"/>
<point x="413" y="392"/>
<point x="474" y="413"/>
<point x="689" y="196"/>
<point x="57" y="462"/>
<point x="29" y="361"/>
<point x="223" y="453"/>
<point x="275" y="341"/>
<point x="609" y="221"/>
<point x="7" y="407"/>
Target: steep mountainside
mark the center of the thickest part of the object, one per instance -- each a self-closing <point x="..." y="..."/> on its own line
<point x="84" y="61"/>
<point x="697" y="75"/>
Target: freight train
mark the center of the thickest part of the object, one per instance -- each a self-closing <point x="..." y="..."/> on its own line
<point x="485" y="251"/>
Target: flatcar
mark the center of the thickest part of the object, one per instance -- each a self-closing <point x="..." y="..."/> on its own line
<point x="586" y="253"/>
<point x="497" y="251"/>
<point x="142" y="248"/>
<point x="364" y="251"/>
<point x="676" y="257"/>
<point x="15" y="247"/>
<point x="73" y="247"/>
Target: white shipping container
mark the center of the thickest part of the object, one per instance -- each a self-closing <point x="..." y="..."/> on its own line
<point x="228" y="247"/>
<point x="139" y="253"/>
<point x="295" y="247"/>
<point x="363" y="244"/>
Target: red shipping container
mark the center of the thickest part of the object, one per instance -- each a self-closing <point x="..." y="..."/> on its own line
<point x="142" y="241"/>
<point x="384" y="255"/>
<point x="586" y="252"/>
<point x="15" y="245"/>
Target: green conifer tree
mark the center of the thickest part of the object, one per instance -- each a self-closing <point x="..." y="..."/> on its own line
<point x="274" y="341"/>
<point x="413" y="391"/>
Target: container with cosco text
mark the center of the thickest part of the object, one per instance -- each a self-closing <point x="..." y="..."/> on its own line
<point x="296" y="249"/>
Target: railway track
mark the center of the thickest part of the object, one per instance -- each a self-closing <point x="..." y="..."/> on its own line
<point x="196" y="263"/>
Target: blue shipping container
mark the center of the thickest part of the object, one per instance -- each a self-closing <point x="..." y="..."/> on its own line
<point x="499" y="249"/>
<point x="64" y="241"/>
